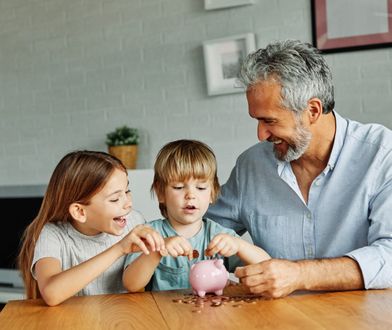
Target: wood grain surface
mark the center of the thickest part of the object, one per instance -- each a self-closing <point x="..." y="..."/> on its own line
<point x="180" y="310"/>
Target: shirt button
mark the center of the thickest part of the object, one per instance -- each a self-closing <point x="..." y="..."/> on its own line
<point x="317" y="182"/>
<point x="309" y="216"/>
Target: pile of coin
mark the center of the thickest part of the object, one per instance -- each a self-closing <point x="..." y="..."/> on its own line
<point x="216" y="301"/>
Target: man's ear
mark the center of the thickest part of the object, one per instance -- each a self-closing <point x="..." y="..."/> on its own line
<point x="315" y="109"/>
<point x="78" y="212"/>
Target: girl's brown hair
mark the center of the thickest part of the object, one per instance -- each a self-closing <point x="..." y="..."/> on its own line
<point x="77" y="178"/>
<point x="181" y="160"/>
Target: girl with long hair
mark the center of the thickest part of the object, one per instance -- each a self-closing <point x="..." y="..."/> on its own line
<point x="84" y="229"/>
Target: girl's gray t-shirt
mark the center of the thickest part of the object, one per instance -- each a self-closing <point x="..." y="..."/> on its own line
<point x="63" y="242"/>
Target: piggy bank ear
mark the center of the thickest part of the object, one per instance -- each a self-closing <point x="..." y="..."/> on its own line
<point x="192" y="266"/>
<point x="219" y="264"/>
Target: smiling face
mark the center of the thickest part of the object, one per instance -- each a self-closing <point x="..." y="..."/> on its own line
<point x="291" y="138"/>
<point x="107" y="209"/>
<point x="187" y="202"/>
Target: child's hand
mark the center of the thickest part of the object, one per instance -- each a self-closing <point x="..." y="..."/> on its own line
<point x="224" y="244"/>
<point x="142" y="238"/>
<point x="178" y="246"/>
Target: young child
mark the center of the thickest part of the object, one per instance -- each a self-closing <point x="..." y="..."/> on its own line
<point x="185" y="183"/>
<point x="78" y="242"/>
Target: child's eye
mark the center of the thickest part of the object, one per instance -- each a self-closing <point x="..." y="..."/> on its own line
<point x="114" y="200"/>
<point x="178" y="187"/>
<point x="202" y="188"/>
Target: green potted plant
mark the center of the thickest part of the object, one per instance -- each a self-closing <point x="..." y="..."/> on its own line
<point x="122" y="143"/>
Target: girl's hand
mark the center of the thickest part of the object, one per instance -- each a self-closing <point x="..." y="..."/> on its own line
<point x="142" y="238"/>
<point x="224" y="244"/>
<point x="177" y="246"/>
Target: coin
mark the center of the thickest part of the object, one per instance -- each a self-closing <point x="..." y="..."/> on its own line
<point x="195" y="254"/>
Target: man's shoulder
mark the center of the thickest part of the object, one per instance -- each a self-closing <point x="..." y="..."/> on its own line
<point x="370" y="135"/>
<point x="259" y="152"/>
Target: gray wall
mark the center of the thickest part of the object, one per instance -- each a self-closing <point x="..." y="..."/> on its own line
<point x="72" y="70"/>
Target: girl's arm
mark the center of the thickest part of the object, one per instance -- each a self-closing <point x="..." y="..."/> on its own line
<point x="138" y="273"/>
<point x="228" y="245"/>
<point x="56" y="285"/>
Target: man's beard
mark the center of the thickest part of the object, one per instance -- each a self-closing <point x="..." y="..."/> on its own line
<point x="297" y="146"/>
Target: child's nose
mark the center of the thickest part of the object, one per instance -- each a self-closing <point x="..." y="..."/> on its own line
<point x="190" y="194"/>
<point x="128" y="202"/>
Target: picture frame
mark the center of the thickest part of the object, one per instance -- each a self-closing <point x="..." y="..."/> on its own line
<point x="333" y="32"/>
<point x="222" y="60"/>
<point x="218" y="4"/>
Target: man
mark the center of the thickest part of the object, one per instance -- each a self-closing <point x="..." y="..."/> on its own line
<point x="316" y="194"/>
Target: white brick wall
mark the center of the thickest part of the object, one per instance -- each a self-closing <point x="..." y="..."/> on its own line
<point x="70" y="71"/>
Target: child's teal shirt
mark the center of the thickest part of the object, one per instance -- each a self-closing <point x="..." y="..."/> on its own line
<point x="173" y="273"/>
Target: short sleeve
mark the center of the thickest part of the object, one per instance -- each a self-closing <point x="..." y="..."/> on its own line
<point x="131" y="258"/>
<point x="48" y="245"/>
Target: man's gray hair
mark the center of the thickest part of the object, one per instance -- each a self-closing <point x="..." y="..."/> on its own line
<point x="298" y="67"/>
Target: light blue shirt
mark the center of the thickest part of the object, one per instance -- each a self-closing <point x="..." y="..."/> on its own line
<point x="349" y="209"/>
<point x="173" y="273"/>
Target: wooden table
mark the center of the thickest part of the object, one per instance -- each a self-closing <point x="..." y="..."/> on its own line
<point x="160" y="310"/>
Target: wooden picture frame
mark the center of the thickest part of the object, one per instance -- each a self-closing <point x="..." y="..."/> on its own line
<point x="345" y="25"/>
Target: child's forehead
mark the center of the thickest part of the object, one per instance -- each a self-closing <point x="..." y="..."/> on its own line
<point x="189" y="178"/>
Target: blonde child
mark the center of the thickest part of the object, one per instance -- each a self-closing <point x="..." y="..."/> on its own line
<point x="185" y="183"/>
<point x="78" y="242"/>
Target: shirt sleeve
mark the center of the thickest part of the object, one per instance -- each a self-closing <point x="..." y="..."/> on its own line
<point x="375" y="260"/>
<point x="48" y="246"/>
<point x="131" y="257"/>
<point x="226" y="209"/>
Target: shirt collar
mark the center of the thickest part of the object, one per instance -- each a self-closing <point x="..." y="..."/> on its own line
<point x="340" y="133"/>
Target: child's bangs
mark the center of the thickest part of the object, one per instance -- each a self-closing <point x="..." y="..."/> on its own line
<point x="199" y="169"/>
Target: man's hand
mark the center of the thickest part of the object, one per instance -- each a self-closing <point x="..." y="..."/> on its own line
<point x="277" y="278"/>
<point x="272" y="278"/>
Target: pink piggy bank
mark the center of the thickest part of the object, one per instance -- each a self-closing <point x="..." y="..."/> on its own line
<point x="208" y="276"/>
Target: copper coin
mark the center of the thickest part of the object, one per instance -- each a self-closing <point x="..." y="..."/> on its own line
<point x="195" y="254"/>
<point x="216" y="304"/>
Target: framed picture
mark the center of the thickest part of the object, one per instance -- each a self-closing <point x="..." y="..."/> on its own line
<point x="216" y="4"/>
<point x="223" y="59"/>
<point x="343" y="25"/>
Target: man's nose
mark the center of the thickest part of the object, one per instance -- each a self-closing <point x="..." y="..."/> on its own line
<point x="262" y="132"/>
